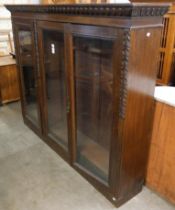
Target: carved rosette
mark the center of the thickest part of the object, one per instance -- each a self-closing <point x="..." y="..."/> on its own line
<point x="124" y="73"/>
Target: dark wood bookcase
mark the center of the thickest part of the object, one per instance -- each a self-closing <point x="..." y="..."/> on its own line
<point x="87" y="83"/>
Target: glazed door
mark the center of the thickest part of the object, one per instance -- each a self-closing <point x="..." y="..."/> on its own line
<point x="92" y="100"/>
<point x="29" y="74"/>
<point x="56" y="102"/>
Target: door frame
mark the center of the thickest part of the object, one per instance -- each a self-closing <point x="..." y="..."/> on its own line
<point x="59" y="27"/>
<point x="111" y="188"/>
<point x="28" y="25"/>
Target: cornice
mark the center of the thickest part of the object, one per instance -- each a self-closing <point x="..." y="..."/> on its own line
<point x="107" y="10"/>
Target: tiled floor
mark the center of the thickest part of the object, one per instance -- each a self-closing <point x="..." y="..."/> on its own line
<point x="33" y="177"/>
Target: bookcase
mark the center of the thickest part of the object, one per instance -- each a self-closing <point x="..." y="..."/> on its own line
<point x="87" y="85"/>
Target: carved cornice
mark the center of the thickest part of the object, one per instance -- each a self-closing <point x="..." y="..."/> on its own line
<point x="124" y="73"/>
<point x="108" y="10"/>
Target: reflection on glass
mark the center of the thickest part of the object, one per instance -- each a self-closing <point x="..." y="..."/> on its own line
<point x="55" y="86"/>
<point x="28" y="72"/>
<point x="94" y="85"/>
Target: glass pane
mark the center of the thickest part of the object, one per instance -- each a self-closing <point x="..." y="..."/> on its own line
<point x="94" y="89"/>
<point x="55" y="86"/>
<point x="28" y="72"/>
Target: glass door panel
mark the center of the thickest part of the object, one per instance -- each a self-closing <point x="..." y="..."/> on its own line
<point x="28" y="74"/>
<point x="55" y="81"/>
<point x="94" y="90"/>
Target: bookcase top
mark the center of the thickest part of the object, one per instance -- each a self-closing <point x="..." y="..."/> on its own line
<point x="107" y="10"/>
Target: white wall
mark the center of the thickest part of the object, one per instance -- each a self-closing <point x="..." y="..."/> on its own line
<point x="5" y="22"/>
<point x="19" y="1"/>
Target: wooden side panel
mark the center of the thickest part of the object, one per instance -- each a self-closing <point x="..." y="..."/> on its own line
<point x="139" y="109"/>
<point x="9" y="83"/>
<point x="161" y="164"/>
<point x="14" y="83"/>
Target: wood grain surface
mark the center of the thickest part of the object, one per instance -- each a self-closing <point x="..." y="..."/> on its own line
<point x="161" y="165"/>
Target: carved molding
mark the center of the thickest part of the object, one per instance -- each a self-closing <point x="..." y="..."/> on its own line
<point x="124" y="73"/>
<point x="109" y="10"/>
